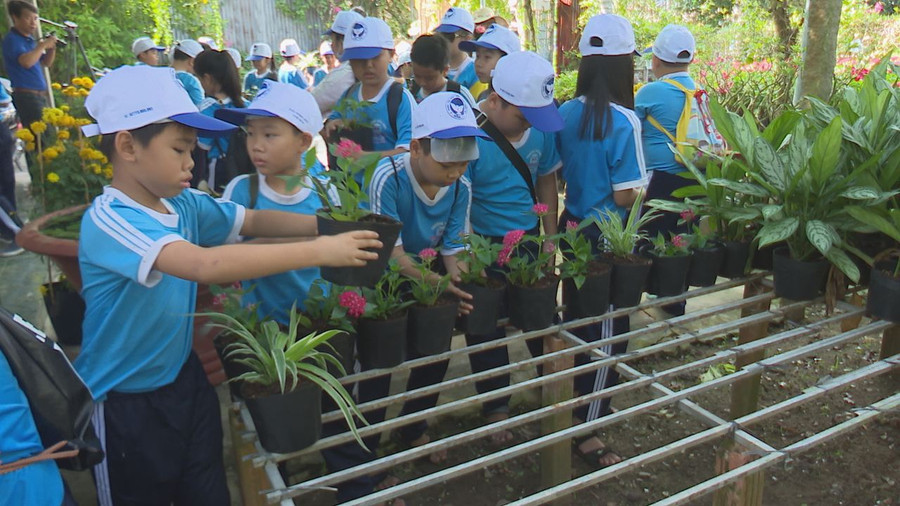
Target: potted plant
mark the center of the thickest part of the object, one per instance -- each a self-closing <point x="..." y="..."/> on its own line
<point x="671" y="264"/>
<point x="228" y="300"/>
<point x="65" y="307"/>
<point x="585" y="277"/>
<point x="284" y="384"/>
<point x="350" y="183"/>
<point x="356" y="127"/>
<point x="707" y="252"/>
<point x="487" y="292"/>
<point x="532" y="281"/>
<point x="330" y="306"/>
<point x="433" y="315"/>
<point x="629" y="271"/>
<point x="382" y="328"/>
<point x="883" y="300"/>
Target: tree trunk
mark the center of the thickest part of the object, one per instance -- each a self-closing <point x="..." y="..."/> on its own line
<point x="820" y="32"/>
<point x="781" y="15"/>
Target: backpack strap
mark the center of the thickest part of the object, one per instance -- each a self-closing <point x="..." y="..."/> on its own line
<point x="511" y="154"/>
<point x="685" y="117"/>
<point x="395" y="95"/>
<point x="453" y="86"/>
<point x="253" y="180"/>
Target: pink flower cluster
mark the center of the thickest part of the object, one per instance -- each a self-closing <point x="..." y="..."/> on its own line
<point x="571" y="225"/>
<point x="688" y="215"/>
<point x="679" y="241"/>
<point x="354" y="303"/>
<point x="427" y="254"/>
<point x="347" y="148"/>
<point x="509" y="242"/>
<point x="859" y="73"/>
<point x="540" y="209"/>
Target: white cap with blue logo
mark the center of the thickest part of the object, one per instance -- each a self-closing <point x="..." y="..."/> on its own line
<point x="280" y="100"/>
<point x="525" y="80"/>
<point x="495" y="37"/>
<point x="366" y="39"/>
<point x="456" y="19"/>
<point x="259" y="51"/>
<point x="343" y="21"/>
<point x="448" y="120"/>
<point x="131" y="97"/>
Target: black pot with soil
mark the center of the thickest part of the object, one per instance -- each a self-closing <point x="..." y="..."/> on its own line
<point x="629" y="276"/>
<point x="668" y="274"/>
<point x="763" y="258"/>
<point x="382" y="343"/>
<point x="487" y="302"/>
<point x="533" y="307"/>
<point x="592" y="299"/>
<point x="361" y="136"/>
<point x="734" y="263"/>
<point x="388" y="230"/>
<point x="797" y="279"/>
<point x="430" y="328"/>
<point x="706" y="264"/>
<point x="232" y="368"/>
<point x="286" y="422"/>
<point x="65" y="307"/>
<point x="884" y="292"/>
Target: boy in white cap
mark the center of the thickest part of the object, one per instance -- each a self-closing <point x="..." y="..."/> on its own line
<point x="263" y="69"/>
<point x="289" y="72"/>
<point x="146" y="51"/>
<point x="496" y="42"/>
<point x="369" y="47"/>
<point x="183" y="54"/>
<point x="514" y="172"/>
<point x="328" y="63"/>
<point x="146" y="242"/>
<point x="457" y="26"/>
<point x="340" y="78"/>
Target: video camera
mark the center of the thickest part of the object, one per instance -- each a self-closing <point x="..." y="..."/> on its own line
<point x="60" y="42"/>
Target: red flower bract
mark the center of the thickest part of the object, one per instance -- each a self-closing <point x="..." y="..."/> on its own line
<point x="347" y="148"/>
<point x="354" y="303"/>
<point x="428" y="254"/>
<point x="512" y="238"/>
<point x="540" y="209"/>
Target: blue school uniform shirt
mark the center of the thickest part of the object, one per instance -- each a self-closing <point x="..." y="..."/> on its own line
<point x="15" y="45"/>
<point x="500" y="198"/>
<point x="465" y="73"/>
<point x="38" y="483"/>
<point x="276" y="294"/>
<point x="138" y="325"/>
<point x="290" y="74"/>
<point x="319" y="75"/>
<point x="216" y="146"/>
<point x="437" y="223"/>
<point x="191" y="85"/>
<point x="594" y="169"/>
<point x="466" y="94"/>
<point x="665" y="103"/>
<point x="377" y="114"/>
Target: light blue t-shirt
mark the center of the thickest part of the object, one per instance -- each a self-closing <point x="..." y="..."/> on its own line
<point x="138" y="325"/>
<point x="319" y="75"/>
<point x="254" y="81"/>
<point x="290" y="74"/>
<point x="376" y="113"/>
<point x="466" y="94"/>
<point x="191" y="85"/>
<point x="276" y="294"/>
<point x="427" y="223"/>
<point x="594" y="169"/>
<point x="500" y="198"/>
<point x="38" y="483"/>
<point x="665" y="103"/>
<point x="216" y="146"/>
<point x="465" y="73"/>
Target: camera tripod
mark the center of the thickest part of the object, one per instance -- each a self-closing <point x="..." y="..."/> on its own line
<point x="71" y="38"/>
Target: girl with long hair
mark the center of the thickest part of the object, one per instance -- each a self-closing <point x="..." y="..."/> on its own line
<point x="222" y="85"/>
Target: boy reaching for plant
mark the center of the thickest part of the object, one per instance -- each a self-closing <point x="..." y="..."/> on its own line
<point x="425" y="189"/>
<point x="146" y="242"/>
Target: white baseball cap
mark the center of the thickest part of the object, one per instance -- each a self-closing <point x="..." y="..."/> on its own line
<point x="404" y="58"/>
<point x="366" y="39"/>
<point x="343" y="21"/>
<point x="259" y="51"/>
<point x="280" y="100"/>
<point x="209" y="41"/>
<point x="608" y="35"/>
<point x="325" y="48"/>
<point x="235" y="56"/>
<point x="189" y="47"/>
<point x="674" y="44"/>
<point x="132" y="97"/>
<point x="142" y="44"/>
<point x="289" y="47"/>
<point x="525" y="80"/>
<point x="456" y="19"/>
<point x="448" y="120"/>
<point x="495" y="37"/>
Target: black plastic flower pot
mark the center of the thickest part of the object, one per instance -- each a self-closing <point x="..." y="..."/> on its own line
<point x="668" y="274"/>
<point x="361" y="136"/>
<point x="629" y="277"/>
<point x="734" y="264"/>
<point x="65" y="307"/>
<point x="592" y="299"/>
<point x="430" y="328"/>
<point x="487" y="301"/>
<point x="884" y="293"/>
<point x="286" y="422"/>
<point x="763" y="258"/>
<point x="533" y="307"/>
<point x="232" y="368"/>
<point x="706" y="265"/>
<point x="796" y="279"/>
<point x="342" y="348"/>
<point x="388" y="230"/>
<point x="382" y="343"/>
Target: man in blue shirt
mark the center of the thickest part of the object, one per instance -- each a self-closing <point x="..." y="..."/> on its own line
<point x="25" y="59"/>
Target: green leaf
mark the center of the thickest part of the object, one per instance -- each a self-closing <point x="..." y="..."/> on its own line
<point x="826" y="151"/>
<point x="778" y="231"/>
<point x="771" y="211"/>
<point x="843" y="262"/>
<point x="861" y="193"/>
<point x="740" y="187"/>
<point x="872" y="218"/>
<point x="770" y="164"/>
<point x="821" y="235"/>
<point x="694" y="190"/>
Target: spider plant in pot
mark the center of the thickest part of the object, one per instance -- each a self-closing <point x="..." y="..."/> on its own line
<point x="229" y="300"/>
<point x="284" y="384"/>
<point x="671" y="264"/>
<point x="487" y="291"/>
<point x="585" y="277"/>
<point x="629" y="271"/>
<point x="432" y="316"/>
<point x="707" y="252"/>
<point x="330" y="306"/>
<point x="350" y="183"/>
<point x="533" y="282"/>
<point x="382" y="328"/>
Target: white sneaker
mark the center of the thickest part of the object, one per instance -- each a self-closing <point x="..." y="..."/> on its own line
<point x="9" y="248"/>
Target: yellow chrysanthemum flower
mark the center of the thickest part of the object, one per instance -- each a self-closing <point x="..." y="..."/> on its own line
<point x="50" y="153"/>
<point x="63" y="134"/>
<point x="70" y="91"/>
<point x="56" y="86"/>
<point x="43" y="288"/>
<point x="30" y="146"/>
<point x="38" y="127"/>
<point x="108" y="173"/>
<point x="53" y="177"/>
<point x="95" y="168"/>
<point x="87" y="82"/>
<point x="64" y="108"/>
<point x="84" y="92"/>
<point x="25" y="134"/>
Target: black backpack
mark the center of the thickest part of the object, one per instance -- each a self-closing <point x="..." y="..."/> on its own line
<point x="234" y="162"/>
<point x="60" y="402"/>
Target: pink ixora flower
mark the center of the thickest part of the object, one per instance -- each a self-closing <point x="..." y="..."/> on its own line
<point x="428" y="254"/>
<point x="540" y="209"/>
<point x="504" y="256"/>
<point x="549" y="247"/>
<point x="679" y="241"/>
<point x="571" y="225"/>
<point x="688" y="215"/>
<point x="354" y="303"/>
<point x="347" y="148"/>
<point x="512" y="238"/>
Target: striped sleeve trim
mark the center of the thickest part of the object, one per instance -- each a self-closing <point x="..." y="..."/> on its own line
<point x="638" y="144"/>
<point x="383" y="173"/>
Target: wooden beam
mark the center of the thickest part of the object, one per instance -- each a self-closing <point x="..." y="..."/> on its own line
<point x="556" y="460"/>
<point x="252" y="479"/>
